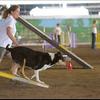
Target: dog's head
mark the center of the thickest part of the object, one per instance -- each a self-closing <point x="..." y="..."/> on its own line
<point x="59" y="56"/>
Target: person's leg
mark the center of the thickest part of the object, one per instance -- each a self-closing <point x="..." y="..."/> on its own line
<point x="2" y="53"/>
<point x="59" y="41"/>
<point x="92" y="45"/>
<point x="94" y="41"/>
<point x="14" y="68"/>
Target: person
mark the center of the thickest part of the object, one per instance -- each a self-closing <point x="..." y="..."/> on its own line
<point x="7" y="32"/>
<point x="57" y="33"/>
<point x="94" y="34"/>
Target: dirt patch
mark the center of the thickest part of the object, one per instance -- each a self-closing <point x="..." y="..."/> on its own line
<point x="79" y="83"/>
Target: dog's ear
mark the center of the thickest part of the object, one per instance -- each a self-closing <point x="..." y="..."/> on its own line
<point x="60" y="55"/>
<point x="58" y="52"/>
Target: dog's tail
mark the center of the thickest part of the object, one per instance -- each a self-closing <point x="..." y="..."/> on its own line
<point x="7" y="48"/>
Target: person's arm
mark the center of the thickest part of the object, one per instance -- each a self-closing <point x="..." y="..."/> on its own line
<point x="10" y="35"/>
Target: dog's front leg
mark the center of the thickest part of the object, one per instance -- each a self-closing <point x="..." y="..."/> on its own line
<point x="37" y="76"/>
<point x="33" y="76"/>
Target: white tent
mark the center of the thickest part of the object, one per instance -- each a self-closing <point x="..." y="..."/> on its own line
<point x="59" y="12"/>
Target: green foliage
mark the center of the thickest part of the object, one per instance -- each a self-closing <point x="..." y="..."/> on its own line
<point x="82" y="28"/>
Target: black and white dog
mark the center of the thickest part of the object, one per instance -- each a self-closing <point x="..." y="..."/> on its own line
<point x="37" y="60"/>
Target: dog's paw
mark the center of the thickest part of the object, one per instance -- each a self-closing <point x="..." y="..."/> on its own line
<point x="41" y="82"/>
<point x="32" y="77"/>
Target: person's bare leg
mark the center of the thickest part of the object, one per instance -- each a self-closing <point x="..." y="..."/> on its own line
<point x="14" y="69"/>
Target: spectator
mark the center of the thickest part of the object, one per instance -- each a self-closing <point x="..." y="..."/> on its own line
<point x="57" y="33"/>
<point x="94" y="34"/>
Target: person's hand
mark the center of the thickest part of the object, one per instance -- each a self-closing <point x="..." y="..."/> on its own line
<point x="16" y="44"/>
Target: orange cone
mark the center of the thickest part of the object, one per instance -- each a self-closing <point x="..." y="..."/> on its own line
<point x="69" y="65"/>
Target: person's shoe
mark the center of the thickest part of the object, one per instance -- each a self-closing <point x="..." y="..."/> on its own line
<point x="16" y="75"/>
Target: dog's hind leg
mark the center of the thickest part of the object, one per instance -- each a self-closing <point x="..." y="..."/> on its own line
<point x="23" y="72"/>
